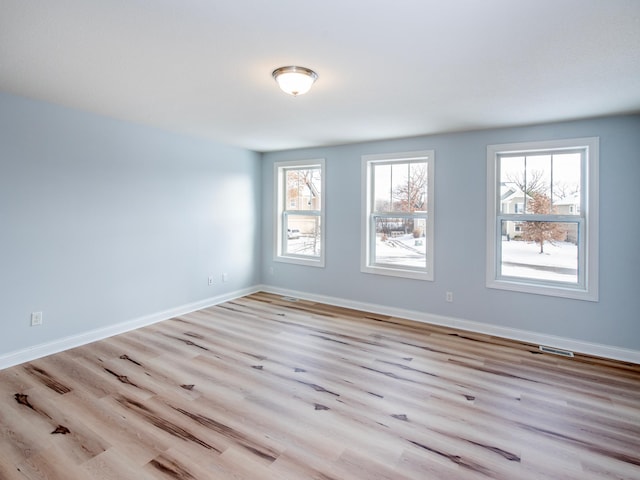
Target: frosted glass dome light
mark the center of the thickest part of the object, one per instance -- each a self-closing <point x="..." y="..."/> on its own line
<point x="294" y="80"/>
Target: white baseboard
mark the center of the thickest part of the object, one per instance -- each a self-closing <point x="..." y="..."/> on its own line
<point x="577" y="346"/>
<point x="38" y="351"/>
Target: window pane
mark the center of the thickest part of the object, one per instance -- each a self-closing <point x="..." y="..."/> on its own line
<point x="418" y="187"/>
<point x="382" y="188"/>
<point x="551" y="182"/>
<point x="566" y="183"/>
<point x="400" y="187"/>
<point x="400" y="242"/>
<point x="303" y="188"/>
<point x="540" y="251"/>
<point x="511" y="169"/>
<point x="303" y="235"/>
<point x="523" y="179"/>
<point x="512" y="185"/>
<point x="538" y="176"/>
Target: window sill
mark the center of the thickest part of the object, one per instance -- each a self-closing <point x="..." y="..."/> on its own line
<point x="573" y="293"/>
<point x="316" y="262"/>
<point x="396" y="272"/>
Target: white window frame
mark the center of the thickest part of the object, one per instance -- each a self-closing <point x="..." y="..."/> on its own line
<point x="367" y="265"/>
<point x="282" y="210"/>
<point x="587" y="219"/>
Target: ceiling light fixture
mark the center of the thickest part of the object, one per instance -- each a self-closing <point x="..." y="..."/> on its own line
<point x="294" y="80"/>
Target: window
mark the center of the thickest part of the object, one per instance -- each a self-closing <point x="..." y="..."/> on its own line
<point x="299" y="212"/>
<point x="542" y="218"/>
<point x="398" y="214"/>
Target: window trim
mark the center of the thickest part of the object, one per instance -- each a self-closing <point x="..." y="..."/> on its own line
<point x="587" y="219"/>
<point x="281" y="212"/>
<point x="368" y="215"/>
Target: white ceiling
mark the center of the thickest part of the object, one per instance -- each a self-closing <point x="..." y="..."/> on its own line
<point x="388" y="68"/>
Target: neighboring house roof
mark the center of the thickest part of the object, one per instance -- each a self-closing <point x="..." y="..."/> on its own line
<point x="510" y="191"/>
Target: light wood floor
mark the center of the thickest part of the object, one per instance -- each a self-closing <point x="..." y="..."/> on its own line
<point x="261" y="388"/>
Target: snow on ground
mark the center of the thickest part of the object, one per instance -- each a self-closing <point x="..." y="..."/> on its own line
<point x="404" y="250"/>
<point x="559" y="262"/>
<point x="304" y="245"/>
<point x="521" y="259"/>
<point x="562" y="254"/>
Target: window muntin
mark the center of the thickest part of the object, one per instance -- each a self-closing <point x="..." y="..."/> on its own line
<point x="398" y="227"/>
<point x="300" y="198"/>
<point x="542" y="217"/>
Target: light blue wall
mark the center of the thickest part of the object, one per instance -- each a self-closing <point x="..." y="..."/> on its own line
<point x="460" y="209"/>
<point x="103" y="221"/>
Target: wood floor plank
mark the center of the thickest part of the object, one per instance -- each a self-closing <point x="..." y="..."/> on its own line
<point x="270" y="388"/>
<point x="114" y="464"/>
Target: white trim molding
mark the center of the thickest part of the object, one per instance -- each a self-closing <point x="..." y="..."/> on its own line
<point x="534" y="338"/>
<point x="594" y="349"/>
<point x="370" y="164"/>
<point x="281" y="210"/>
<point x="42" y="350"/>
<point x="586" y="221"/>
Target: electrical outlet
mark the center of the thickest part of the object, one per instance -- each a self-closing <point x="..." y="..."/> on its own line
<point x="210" y="281"/>
<point x="36" y="319"/>
<point x="449" y="297"/>
<point x="225" y="277"/>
